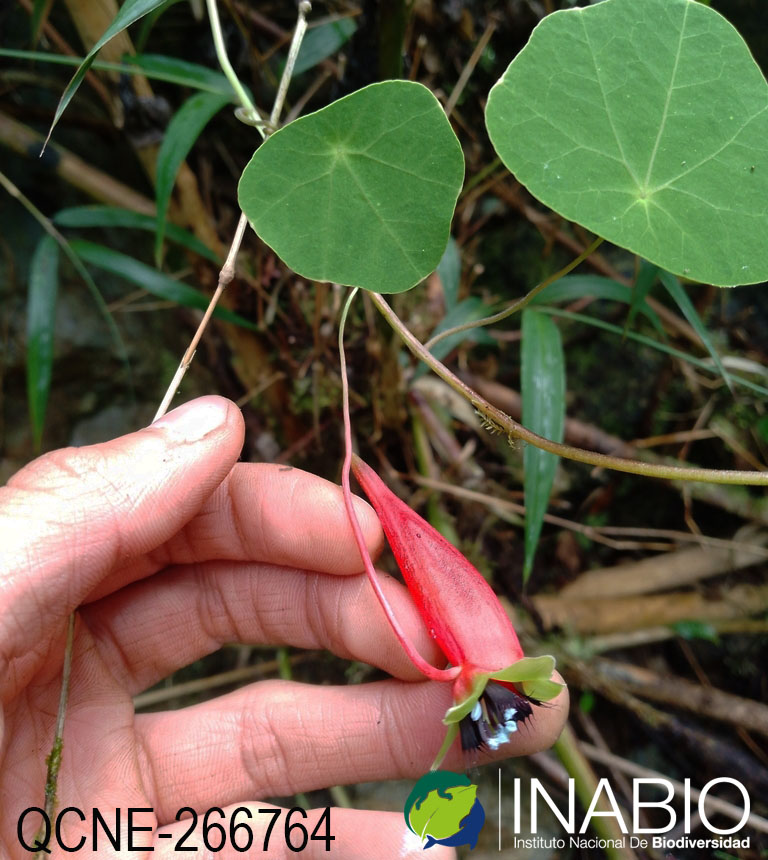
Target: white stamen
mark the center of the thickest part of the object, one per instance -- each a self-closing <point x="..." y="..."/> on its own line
<point x="497" y="739"/>
<point x="477" y="712"/>
<point x="509" y="713"/>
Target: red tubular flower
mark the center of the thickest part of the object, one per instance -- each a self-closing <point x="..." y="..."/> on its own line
<point x="495" y="684"/>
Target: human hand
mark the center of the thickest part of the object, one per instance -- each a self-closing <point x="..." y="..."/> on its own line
<point x="170" y="548"/>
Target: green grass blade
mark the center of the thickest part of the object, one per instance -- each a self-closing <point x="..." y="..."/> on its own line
<point x="647" y="341"/>
<point x="154" y="66"/>
<point x="573" y="287"/>
<point x="149" y="279"/>
<point x="40" y="10"/>
<point x="114" y="216"/>
<point x="449" y="270"/>
<point x="646" y="278"/>
<point x="129" y="12"/>
<point x="41" y="323"/>
<point x="543" y="393"/>
<point x="321" y="42"/>
<point x="148" y="23"/>
<point x="180" y="136"/>
<point x="675" y="289"/>
<point x="469" y="309"/>
<point x="182" y="72"/>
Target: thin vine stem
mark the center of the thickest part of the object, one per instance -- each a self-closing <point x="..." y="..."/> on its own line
<point x="418" y="661"/>
<point x="503" y="422"/>
<point x="226" y="275"/>
<point x="305" y="7"/>
<point x="520" y="303"/>
<point x="226" y="67"/>
<point x="227" y="272"/>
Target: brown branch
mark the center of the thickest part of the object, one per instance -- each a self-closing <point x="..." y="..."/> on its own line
<point x="682" y="693"/>
<point x="623" y="614"/>
<point x="72" y="169"/>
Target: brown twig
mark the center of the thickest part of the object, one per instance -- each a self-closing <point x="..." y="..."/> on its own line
<point x="72" y="169"/>
<point x="638" y="613"/>
<point x="705" y="701"/>
<point x="673" y="570"/>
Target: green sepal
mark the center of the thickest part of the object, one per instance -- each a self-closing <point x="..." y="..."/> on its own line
<point x="542" y="690"/>
<point x="527" y="669"/>
<point x="460" y="710"/>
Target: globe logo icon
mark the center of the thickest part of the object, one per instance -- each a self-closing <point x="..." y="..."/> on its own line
<point x="443" y="809"/>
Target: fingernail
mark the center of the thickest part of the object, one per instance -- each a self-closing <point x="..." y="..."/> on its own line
<point x="194" y="420"/>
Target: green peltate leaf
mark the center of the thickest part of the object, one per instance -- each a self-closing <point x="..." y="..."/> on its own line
<point x="449" y="270"/>
<point x="180" y="136"/>
<point x="129" y="12"/>
<point x="320" y="42"/>
<point x="646" y="121"/>
<point x="113" y="216"/>
<point x="41" y="320"/>
<point x="543" y="393"/>
<point x="361" y="192"/>
<point x="150" y="279"/>
<point x="675" y="289"/>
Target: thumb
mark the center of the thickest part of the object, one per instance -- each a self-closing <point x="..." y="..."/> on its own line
<point x="70" y="516"/>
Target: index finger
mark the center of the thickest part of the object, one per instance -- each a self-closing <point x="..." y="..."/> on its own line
<point x="267" y="513"/>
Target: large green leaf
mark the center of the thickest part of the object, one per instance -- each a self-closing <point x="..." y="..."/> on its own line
<point x="149" y="279"/>
<point x="647" y="122"/>
<point x="129" y="12"/>
<point x="41" y="319"/>
<point x="543" y="392"/>
<point x="361" y="192"/>
<point x="180" y="136"/>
